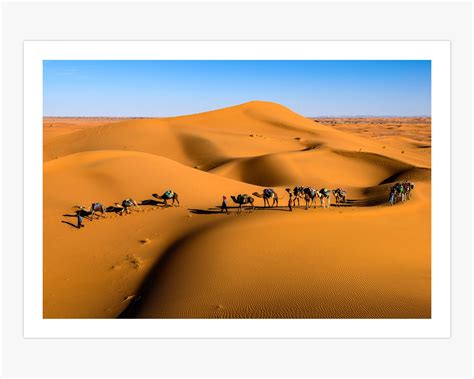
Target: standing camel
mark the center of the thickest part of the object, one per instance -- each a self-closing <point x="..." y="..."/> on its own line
<point x="168" y="195"/>
<point x="268" y="193"/>
<point x="340" y="195"/>
<point x="298" y="193"/>
<point x="309" y="196"/>
<point x="243" y="199"/>
<point x="324" y="197"/>
<point x="97" y="207"/>
<point x="129" y="203"/>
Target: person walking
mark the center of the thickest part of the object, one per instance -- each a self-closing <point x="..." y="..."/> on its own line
<point x="391" y="199"/>
<point x="224" y="205"/>
<point x="290" y="200"/>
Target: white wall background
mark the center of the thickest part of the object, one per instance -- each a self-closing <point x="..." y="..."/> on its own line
<point x="222" y="21"/>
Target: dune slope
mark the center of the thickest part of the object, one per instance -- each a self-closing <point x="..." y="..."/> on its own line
<point x="252" y="268"/>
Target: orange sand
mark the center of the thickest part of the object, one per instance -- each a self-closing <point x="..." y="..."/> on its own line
<point x="364" y="259"/>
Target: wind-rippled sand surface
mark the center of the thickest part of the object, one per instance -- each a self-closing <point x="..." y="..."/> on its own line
<point x="361" y="260"/>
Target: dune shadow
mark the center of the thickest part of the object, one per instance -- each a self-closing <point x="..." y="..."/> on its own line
<point x="369" y="202"/>
<point x="155" y="275"/>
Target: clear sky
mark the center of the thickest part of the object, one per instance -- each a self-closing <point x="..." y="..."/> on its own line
<point x="169" y="88"/>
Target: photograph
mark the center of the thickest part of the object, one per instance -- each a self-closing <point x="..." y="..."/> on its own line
<point x="237" y="189"/>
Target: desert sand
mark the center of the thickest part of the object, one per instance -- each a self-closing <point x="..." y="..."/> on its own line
<point x="362" y="259"/>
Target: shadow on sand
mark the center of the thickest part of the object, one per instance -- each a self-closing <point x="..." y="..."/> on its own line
<point x="71" y="224"/>
<point x="217" y="209"/>
<point x="152" y="202"/>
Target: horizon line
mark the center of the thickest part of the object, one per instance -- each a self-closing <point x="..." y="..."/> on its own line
<point x="321" y="116"/>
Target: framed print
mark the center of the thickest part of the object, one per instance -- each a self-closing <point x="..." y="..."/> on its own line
<point x="237" y="189"/>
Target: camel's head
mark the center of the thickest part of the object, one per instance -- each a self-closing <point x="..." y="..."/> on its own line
<point x="234" y="199"/>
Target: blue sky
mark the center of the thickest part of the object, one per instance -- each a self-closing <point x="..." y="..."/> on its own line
<point x="169" y="88"/>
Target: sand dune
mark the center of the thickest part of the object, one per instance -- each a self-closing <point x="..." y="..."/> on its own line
<point x="316" y="167"/>
<point x="362" y="259"/>
<point x="329" y="267"/>
<point x="207" y="139"/>
<point x="91" y="271"/>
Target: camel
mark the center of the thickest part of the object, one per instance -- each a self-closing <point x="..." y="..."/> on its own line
<point x="168" y="195"/>
<point x="126" y="204"/>
<point x="340" y="195"/>
<point x="243" y="199"/>
<point x="408" y="187"/>
<point x="324" y="197"/>
<point x="298" y="194"/>
<point x="268" y="193"/>
<point x="83" y="211"/>
<point x="309" y="196"/>
<point x="97" y="207"/>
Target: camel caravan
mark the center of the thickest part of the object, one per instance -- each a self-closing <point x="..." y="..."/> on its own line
<point x="399" y="192"/>
<point x="308" y="194"/>
<point x="98" y="210"/>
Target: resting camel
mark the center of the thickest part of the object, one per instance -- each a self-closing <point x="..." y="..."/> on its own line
<point x="324" y="197"/>
<point x="298" y="193"/>
<point x="168" y="195"/>
<point x="268" y="193"/>
<point x="340" y="195"/>
<point x="243" y="199"/>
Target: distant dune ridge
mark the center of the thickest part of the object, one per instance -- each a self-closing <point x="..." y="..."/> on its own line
<point x="362" y="260"/>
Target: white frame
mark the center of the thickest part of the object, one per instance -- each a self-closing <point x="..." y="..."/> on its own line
<point x="37" y="327"/>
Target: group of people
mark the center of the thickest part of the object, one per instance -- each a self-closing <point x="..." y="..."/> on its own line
<point x="98" y="209"/>
<point x="400" y="191"/>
